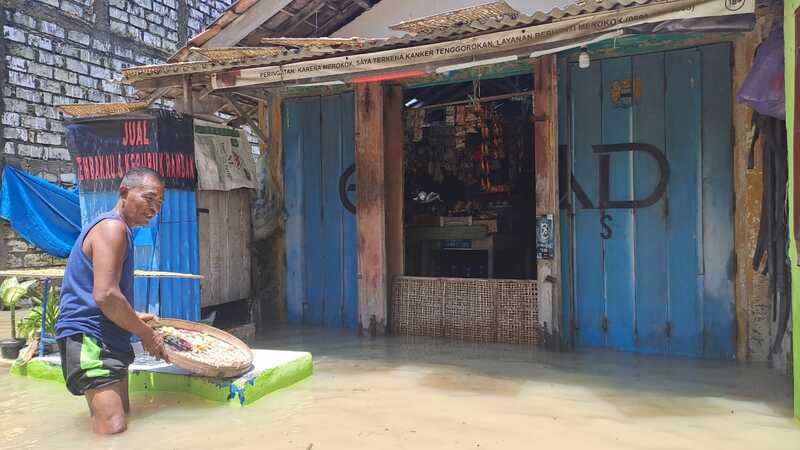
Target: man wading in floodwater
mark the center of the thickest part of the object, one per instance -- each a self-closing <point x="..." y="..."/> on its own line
<point x="97" y="318"/>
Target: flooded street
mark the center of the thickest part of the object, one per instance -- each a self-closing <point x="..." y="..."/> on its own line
<point x="421" y="393"/>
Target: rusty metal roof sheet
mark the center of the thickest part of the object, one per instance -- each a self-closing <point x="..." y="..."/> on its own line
<point x="323" y="42"/>
<point x="480" y="13"/>
<point x="101" y="109"/>
<point x="232" y="54"/>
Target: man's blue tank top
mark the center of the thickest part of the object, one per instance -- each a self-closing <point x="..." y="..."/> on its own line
<point x="79" y="312"/>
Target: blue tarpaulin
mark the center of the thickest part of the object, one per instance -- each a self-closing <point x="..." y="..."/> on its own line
<point x="45" y="214"/>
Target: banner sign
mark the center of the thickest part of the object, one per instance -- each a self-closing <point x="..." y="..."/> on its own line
<point x="224" y="159"/>
<point x="103" y="151"/>
<point x="530" y="38"/>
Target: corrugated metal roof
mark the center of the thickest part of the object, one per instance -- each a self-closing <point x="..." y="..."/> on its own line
<point x="136" y="74"/>
<point x="324" y="42"/>
<point x="101" y="109"/>
<point x="233" y="54"/>
<point x="480" y="13"/>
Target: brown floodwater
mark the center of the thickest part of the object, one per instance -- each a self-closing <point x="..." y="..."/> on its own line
<point x="422" y="393"/>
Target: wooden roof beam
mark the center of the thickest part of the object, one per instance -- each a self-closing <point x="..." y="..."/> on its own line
<point x="331" y="25"/>
<point x="246" y="116"/>
<point x="253" y="18"/>
<point x="318" y="4"/>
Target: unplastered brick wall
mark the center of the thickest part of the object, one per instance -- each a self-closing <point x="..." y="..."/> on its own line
<point x="56" y="52"/>
<point x="20" y="254"/>
<point x="201" y="13"/>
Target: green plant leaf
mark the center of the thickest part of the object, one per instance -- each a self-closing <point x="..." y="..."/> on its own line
<point x="12" y="291"/>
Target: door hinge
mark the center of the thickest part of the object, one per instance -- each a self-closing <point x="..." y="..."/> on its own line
<point x="604" y="325"/>
<point x="668" y="329"/>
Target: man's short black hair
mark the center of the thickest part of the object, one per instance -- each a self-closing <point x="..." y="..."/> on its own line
<point x="135" y="177"/>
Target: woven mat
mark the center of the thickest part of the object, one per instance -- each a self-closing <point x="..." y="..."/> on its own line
<point x="469" y="309"/>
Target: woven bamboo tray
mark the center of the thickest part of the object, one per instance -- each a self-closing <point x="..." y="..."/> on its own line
<point x="198" y="368"/>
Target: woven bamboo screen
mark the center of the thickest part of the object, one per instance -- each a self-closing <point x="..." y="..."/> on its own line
<point x="470" y="309"/>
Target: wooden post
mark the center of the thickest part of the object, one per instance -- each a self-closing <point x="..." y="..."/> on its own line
<point x="546" y="181"/>
<point x="263" y="123"/>
<point x="371" y="209"/>
<point x="275" y="148"/>
<point x="393" y="131"/>
<point x="752" y="287"/>
<point x="188" y="105"/>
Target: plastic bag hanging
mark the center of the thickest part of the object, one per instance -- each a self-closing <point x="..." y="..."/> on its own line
<point x="762" y="90"/>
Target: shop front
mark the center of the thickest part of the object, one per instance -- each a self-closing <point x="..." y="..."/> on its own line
<point x="563" y="179"/>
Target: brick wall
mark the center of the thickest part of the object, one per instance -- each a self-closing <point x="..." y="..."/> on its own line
<point x="56" y="52"/>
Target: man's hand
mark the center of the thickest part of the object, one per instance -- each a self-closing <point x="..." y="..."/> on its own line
<point x="147" y="317"/>
<point x="154" y="344"/>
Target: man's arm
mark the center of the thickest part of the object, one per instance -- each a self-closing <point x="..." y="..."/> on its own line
<point x="108" y="243"/>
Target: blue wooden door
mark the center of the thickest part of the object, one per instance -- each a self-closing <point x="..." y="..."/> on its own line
<point x="651" y="239"/>
<point x="319" y="147"/>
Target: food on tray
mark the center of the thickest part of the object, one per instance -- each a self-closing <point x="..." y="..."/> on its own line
<point x="201" y="347"/>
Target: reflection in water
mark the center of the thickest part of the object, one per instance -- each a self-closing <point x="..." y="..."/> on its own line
<point x="421" y="393"/>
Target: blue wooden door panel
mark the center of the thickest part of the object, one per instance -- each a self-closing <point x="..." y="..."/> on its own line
<point x="565" y="208"/>
<point x="718" y="307"/>
<point x="313" y="231"/>
<point x="294" y="192"/>
<point x="586" y="110"/>
<point x="618" y="248"/>
<point x="332" y="226"/>
<point x="319" y="145"/>
<point x="683" y="100"/>
<point x="651" y="227"/>
<point x="349" y="271"/>
<point x="662" y="274"/>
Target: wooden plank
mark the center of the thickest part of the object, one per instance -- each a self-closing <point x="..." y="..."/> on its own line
<point x="276" y="168"/>
<point x="651" y="226"/>
<point x="371" y="210"/>
<point x="238" y="230"/>
<point x="350" y="234"/>
<point x="244" y="115"/>
<point x="332" y="211"/>
<point x="263" y="123"/>
<point x="546" y="181"/>
<point x="246" y="244"/>
<point x="586" y="131"/>
<point x="718" y="305"/>
<point x="619" y="247"/>
<point x="226" y="230"/>
<point x="751" y="290"/>
<point x="683" y="98"/>
<point x="204" y="236"/>
<point x="218" y="244"/>
<point x="294" y="194"/>
<point x="393" y="123"/>
<point x="187" y="95"/>
<point x="243" y="25"/>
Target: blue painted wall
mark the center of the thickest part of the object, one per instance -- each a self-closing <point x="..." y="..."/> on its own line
<point x="658" y="277"/>
<point x="319" y="145"/>
<point x="169" y="243"/>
